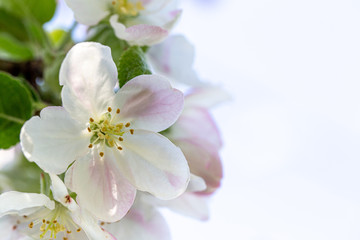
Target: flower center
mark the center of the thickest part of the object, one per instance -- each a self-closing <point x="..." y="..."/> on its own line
<point x="127" y="8"/>
<point x="108" y="131"/>
<point x="51" y="224"/>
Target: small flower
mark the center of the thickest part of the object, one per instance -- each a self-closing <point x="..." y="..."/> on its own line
<point x="36" y="216"/>
<point x="139" y="22"/>
<point x="112" y="136"/>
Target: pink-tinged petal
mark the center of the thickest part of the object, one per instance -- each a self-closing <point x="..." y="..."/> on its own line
<point x="143" y="222"/>
<point x="89" y="12"/>
<point x="149" y="102"/>
<point x="23" y="203"/>
<point x="203" y="162"/>
<point x="174" y="58"/>
<point x="89" y="76"/>
<point x="153" y="164"/>
<point x="54" y="140"/>
<point x="140" y="34"/>
<point x="197" y="124"/>
<point x="100" y="187"/>
<point x="206" y="97"/>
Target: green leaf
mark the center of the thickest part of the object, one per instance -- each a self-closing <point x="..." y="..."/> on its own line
<point x="105" y="35"/>
<point x="16" y="28"/>
<point x="40" y="10"/>
<point x="15" y="109"/>
<point x="13" y="50"/>
<point x="132" y="63"/>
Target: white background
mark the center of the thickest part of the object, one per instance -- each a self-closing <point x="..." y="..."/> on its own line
<point x="292" y="131"/>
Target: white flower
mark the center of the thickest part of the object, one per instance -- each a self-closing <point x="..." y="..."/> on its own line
<point x="139" y="22"/>
<point x="112" y="136"/>
<point x="25" y="215"/>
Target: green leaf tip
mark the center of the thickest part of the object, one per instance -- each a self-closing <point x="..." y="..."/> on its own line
<point x="132" y="63"/>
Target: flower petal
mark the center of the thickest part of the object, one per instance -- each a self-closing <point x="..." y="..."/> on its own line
<point x="9" y="229"/>
<point x="110" y="195"/>
<point x="153" y="164"/>
<point x="23" y="203"/>
<point x="197" y="124"/>
<point x="143" y="222"/>
<point x="89" y="76"/>
<point x="149" y="102"/>
<point x="203" y="162"/>
<point x="89" y="12"/>
<point x="140" y="34"/>
<point x="53" y="140"/>
<point x="191" y="205"/>
<point x="61" y="193"/>
<point x="174" y="58"/>
<point x="90" y="226"/>
<point x="206" y="97"/>
<point x="196" y="184"/>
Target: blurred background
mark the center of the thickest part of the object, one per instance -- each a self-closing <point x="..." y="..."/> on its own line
<point x="292" y="130"/>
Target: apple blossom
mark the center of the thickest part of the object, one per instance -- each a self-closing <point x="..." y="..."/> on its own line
<point x="139" y="22"/>
<point x="112" y="136"/>
<point x="35" y="216"/>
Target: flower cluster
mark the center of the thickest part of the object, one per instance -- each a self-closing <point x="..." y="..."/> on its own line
<point x="124" y="142"/>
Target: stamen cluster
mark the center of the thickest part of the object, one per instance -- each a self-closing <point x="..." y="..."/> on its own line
<point x="126" y="8"/>
<point x="108" y="131"/>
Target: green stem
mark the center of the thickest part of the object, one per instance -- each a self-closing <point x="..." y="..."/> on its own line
<point x="39" y="105"/>
<point x="11" y="118"/>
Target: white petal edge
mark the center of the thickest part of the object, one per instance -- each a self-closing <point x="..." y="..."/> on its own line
<point x="110" y="195"/>
<point x="149" y="102"/>
<point x="89" y="76"/>
<point x="13" y="202"/>
<point x="153" y="164"/>
<point x="61" y="193"/>
<point x="89" y="12"/>
<point x="140" y="34"/>
<point x="53" y="140"/>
